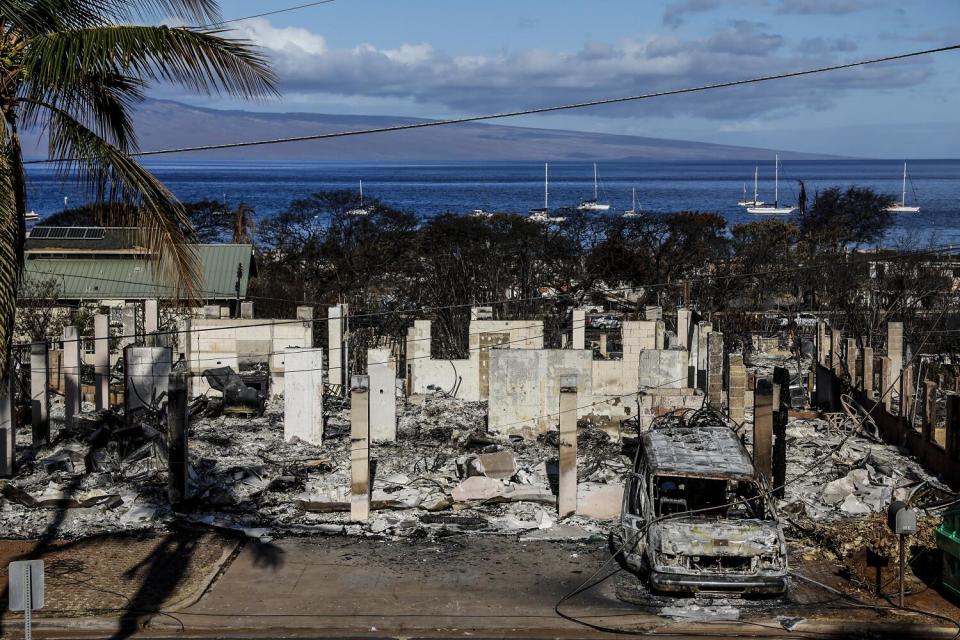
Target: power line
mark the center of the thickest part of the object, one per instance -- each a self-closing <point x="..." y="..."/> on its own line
<point x="536" y="110"/>
<point x="217" y="25"/>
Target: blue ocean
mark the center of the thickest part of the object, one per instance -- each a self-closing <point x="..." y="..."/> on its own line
<point x="430" y="189"/>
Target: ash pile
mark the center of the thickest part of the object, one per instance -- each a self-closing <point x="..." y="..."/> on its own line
<point x="445" y="474"/>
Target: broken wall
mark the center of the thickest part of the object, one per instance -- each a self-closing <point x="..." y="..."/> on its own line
<point x="525" y="388"/>
<point x="216" y="342"/>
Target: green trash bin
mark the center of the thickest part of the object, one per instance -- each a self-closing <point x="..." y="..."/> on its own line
<point x="948" y="539"/>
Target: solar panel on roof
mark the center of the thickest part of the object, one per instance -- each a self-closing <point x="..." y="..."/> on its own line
<point x="58" y="232"/>
<point x="76" y="233"/>
<point x="40" y="232"/>
<point x="94" y="233"/>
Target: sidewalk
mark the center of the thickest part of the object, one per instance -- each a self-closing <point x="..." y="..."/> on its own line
<point x="475" y="585"/>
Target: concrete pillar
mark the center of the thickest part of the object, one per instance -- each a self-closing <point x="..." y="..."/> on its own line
<point x="852" y="360"/>
<point x="929" y="410"/>
<point x="736" y="388"/>
<point x="703" y="333"/>
<point x="823" y="344"/>
<point x="567" y="499"/>
<point x="579" y="323"/>
<point x="71" y="374"/>
<point x="211" y="311"/>
<point x="303" y="395"/>
<point x="763" y="429"/>
<point x="101" y="359"/>
<point x="337" y="356"/>
<point x="895" y="346"/>
<point x="129" y="335"/>
<point x="653" y="312"/>
<point x="184" y="342"/>
<point x="715" y="370"/>
<point x="906" y="393"/>
<point x="660" y="335"/>
<point x="382" y="371"/>
<point x="39" y="398"/>
<point x="359" y="449"/>
<point x="8" y="426"/>
<point x="867" y="375"/>
<point x="683" y="328"/>
<point x="836" y="355"/>
<point x="178" y="458"/>
<point x="246" y="310"/>
<point x="305" y="313"/>
<point x="151" y="316"/>
<point x="603" y="345"/>
<point x="886" y="383"/>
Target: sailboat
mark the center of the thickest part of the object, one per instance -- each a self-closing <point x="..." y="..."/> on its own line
<point x="361" y="210"/>
<point x="755" y="202"/>
<point x="593" y="204"/>
<point x="775" y="209"/>
<point x="902" y="207"/>
<point x="632" y="212"/>
<point x="543" y="214"/>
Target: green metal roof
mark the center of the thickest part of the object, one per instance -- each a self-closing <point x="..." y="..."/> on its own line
<point x="125" y="277"/>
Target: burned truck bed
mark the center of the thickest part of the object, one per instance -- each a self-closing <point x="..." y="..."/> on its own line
<point x="696" y="518"/>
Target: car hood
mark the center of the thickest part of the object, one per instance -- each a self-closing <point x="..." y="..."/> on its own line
<point x="700" y="537"/>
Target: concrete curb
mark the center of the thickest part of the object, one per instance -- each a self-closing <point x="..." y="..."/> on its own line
<point x="222" y="564"/>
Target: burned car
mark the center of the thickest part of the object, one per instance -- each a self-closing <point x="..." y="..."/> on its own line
<point x="695" y="517"/>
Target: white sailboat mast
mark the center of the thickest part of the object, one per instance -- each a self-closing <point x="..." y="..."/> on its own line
<point x="595" y="179"/>
<point x="903" y="196"/>
<point x="756" y="176"/>
<point x="776" y="180"/>
<point x="634" y="208"/>
<point x="546" y="186"/>
<point x="361" y="193"/>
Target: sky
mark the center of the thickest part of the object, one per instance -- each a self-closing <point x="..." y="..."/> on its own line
<point x="443" y="58"/>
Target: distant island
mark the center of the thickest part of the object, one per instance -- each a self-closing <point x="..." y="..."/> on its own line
<point x="163" y="124"/>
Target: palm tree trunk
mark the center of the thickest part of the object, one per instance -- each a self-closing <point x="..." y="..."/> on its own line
<point x="12" y="231"/>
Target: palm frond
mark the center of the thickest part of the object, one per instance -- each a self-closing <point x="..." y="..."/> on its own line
<point x="201" y="61"/>
<point x="131" y="195"/>
<point x="11" y="237"/>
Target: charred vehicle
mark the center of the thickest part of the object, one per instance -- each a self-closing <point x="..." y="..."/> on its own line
<point x="695" y="517"/>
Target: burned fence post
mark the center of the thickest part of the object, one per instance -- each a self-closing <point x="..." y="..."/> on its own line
<point x="71" y="364"/>
<point x="129" y="335"/>
<point x="836" y="344"/>
<point x="101" y="334"/>
<point x="303" y="395"/>
<point x="39" y="398"/>
<point x="763" y="429"/>
<point x="895" y="346"/>
<point x="886" y="383"/>
<point x="781" y="416"/>
<point x="683" y="328"/>
<point x="929" y="410"/>
<point x="567" y="500"/>
<point x="8" y="425"/>
<point x="359" y="449"/>
<point x="852" y="360"/>
<point x="953" y="427"/>
<point x="906" y="394"/>
<point x="177" y="450"/>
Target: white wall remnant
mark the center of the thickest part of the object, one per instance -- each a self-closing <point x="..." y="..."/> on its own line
<point x="567" y="494"/>
<point x="146" y="377"/>
<point x="303" y="395"/>
<point x="337" y="355"/>
<point x="579" y="322"/>
<point x="525" y="388"/>
<point x="382" y="372"/>
<point x="101" y="367"/>
<point x="359" y="449"/>
<point x="71" y="374"/>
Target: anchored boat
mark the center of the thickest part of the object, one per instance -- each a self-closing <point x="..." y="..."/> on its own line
<point x="775" y="209"/>
<point x="902" y="207"/>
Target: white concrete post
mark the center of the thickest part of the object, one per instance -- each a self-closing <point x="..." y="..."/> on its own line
<point x="603" y="344"/>
<point x="129" y="324"/>
<point x="359" y="449"/>
<point x="8" y="426"/>
<point x="683" y="328"/>
<point x="382" y="371"/>
<point x="151" y="316"/>
<point x="101" y="334"/>
<point x="71" y="373"/>
<point x="336" y="346"/>
<point x="303" y="395"/>
<point x="39" y="398"/>
<point x="567" y="500"/>
<point x="246" y="310"/>
<point x="579" y="329"/>
<point x="184" y="349"/>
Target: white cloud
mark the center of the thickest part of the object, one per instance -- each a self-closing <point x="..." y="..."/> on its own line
<point x="418" y="73"/>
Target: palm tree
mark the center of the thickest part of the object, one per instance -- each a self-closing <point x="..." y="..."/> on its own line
<point x="74" y="69"/>
<point x="243" y="224"/>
